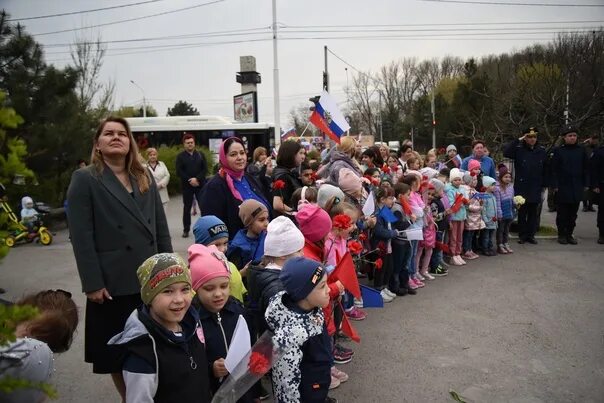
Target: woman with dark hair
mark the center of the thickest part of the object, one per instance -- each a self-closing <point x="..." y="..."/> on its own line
<point x="378" y="160"/>
<point x="223" y="194"/>
<point x="116" y="221"/>
<point x="286" y="179"/>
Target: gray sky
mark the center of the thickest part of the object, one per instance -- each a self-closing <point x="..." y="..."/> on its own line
<point x="205" y="74"/>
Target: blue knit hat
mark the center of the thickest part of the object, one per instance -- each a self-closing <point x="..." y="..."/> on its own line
<point x="300" y="276"/>
<point x="488" y="181"/>
<point x="209" y="228"/>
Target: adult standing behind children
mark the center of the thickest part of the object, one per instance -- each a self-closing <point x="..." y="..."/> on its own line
<point x="116" y="222"/>
<point x="487" y="165"/>
<point x="286" y="175"/>
<point x="569" y="169"/>
<point x="191" y="168"/>
<point x="160" y="174"/>
<point x="231" y="186"/>
<point x="529" y="164"/>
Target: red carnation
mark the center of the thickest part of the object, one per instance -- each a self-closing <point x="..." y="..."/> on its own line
<point x="375" y="181"/>
<point x="278" y="184"/>
<point x="314" y="176"/>
<point x="494" y="219"/>
<point x="355" y="247"/>
<point x="362" y="236"/>
<point x="472" y="173"/>
<point x="259" y="364"/>
<point x="441" y="150"/>
<point x="483" y="189"/>
<point x="386" y="169"/>
<point x="341" y="221"/>
<point x="378" y="264"/>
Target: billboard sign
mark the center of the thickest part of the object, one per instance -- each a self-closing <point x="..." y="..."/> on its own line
<point x="245" y="107"/>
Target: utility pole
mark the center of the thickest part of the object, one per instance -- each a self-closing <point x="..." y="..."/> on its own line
<point x="326" y="72"/>
<point x="380" y="120"/>
<point x="277" y="110"/>
<point x="433" y="107"/>
<point x="144" y="100"/>
<point x="567" y="99"/>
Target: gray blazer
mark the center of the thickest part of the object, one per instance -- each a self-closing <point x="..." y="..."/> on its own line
<point x="113" y="232"/>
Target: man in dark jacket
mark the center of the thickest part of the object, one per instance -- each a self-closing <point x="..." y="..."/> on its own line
<point x="529" y="159"/>
<point x="591" y="145"/>
<point x="569" y="179"/>
<point x="597" y="184"/>
<point x="192" y="169"/>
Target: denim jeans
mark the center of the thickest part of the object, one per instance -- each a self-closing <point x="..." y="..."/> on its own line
<point x="486" y="239"/>
<point x="468" y="236"/>
<point x="411" y="267"/>
<point x="401" y="252"/>
<point x="437" y="254"/>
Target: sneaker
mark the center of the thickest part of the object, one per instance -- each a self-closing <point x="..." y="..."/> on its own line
<point x="470" y="255"/>
<point x="562" y="241"/>
<point x="402" y="291"/>
<point x="571" y="240"/>
<point x="356" y="314"/>
<point x="386" y="297"/>
<point x="439" y="271"/>
<point x="387" y="291"/>
<point x="335" y="382"/>
<point x="418" y="283"/>
<point x="476" y="255"/>
<point x="502" y="250"/>
<point x="419" y="276"/>
<point x="411" y="291"/>
<point x="461" y="260"/>
<point x="185" y="234"/>
<point x="428" y="276"/>
<point x="358" y="303"/>
<point x="455" y="261"/>
<point x="344" y="350"/>
<point x="507" y="247"/>
<point x="339" y="375"/>
<point x="412" y="285"/>
<point x="263" y="392"/>
<point x="341" y="359"/>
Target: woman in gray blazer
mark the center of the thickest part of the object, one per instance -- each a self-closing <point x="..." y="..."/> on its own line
<point x="116" y="221"/>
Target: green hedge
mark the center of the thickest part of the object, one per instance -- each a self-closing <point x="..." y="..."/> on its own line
<point x="168" y="156"/>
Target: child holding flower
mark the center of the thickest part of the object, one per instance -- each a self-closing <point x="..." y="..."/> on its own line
<point x="504" y="193"/>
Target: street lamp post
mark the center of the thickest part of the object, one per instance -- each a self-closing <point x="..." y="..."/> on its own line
<point x="144" y="100"/>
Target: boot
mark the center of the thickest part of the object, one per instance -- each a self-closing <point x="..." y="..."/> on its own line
<point x="571" y="239"/>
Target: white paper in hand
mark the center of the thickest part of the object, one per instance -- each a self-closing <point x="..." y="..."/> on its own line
<point x="240" y="345"/>
<point x="369" y="206"/>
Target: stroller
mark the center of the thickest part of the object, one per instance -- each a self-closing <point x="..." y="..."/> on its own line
<point x="19" y="232"/>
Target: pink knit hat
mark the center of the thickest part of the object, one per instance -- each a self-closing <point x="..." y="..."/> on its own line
<point x="206" y="263"/>
<point x="348" y="181"/>
<point x="314" y="222"/>
<point x="473" y="164"/>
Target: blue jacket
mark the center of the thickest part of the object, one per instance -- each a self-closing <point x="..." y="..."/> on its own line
<point x="382" y="230"/>
<point x="218" y="329"/>
<point x="489" y="211"/>
<point x="487" y="165"/>
<point x="451" y="192"/>
<point x="243" y="249"/>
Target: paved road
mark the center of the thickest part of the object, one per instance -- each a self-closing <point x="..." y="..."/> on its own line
<point x="528" y="327"/>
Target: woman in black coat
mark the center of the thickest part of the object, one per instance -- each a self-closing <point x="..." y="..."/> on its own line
<point x="116" y="221"/>
<point x="223" y="194"/>
<point x="289" y="158"/>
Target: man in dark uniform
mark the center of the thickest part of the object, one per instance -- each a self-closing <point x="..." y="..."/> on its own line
<point x="529" y="160"/>
<point x="192" y="169"/>
<point x="591" y="145"/>
<point x="569" y="179"/>
<point x="597" y="185"/>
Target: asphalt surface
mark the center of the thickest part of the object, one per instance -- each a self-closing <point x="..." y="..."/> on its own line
<point x="526" y="327"/>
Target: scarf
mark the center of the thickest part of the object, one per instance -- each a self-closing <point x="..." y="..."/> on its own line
<point x="226" y="172"/>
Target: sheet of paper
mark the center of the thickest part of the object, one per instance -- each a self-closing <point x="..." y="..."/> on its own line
<point x="240" y="345"/>
<point x="369" y="207"/>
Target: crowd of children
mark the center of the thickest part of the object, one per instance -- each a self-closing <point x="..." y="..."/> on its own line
<point x="402" y="224"/>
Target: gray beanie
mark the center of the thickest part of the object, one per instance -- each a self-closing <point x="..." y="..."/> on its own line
<point x="327" y="192"/>
<point x="438" y="185"/>
<point x="467" y="178"/>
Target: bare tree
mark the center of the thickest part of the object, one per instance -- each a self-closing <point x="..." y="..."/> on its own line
<point x="363" y="94"/>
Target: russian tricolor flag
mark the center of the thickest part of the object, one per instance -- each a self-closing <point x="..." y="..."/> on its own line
<point x="328" y="118"/>
<point x="289" y="133"/>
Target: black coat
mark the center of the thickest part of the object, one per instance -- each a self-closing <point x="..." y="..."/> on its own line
<point x="192" y="165"/>
<point x="262" y="285"/>
<point x="292" y="183"/>
<point x="215" y="338"/>
<point x="529" y="165"/>
<point x="217" y="199"/>
<point x="113" y="232"/>
<point x="596" y="165"/>
<point x="569" y="173"/>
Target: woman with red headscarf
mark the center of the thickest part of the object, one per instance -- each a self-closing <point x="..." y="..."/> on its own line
<point x="223" y="194"/>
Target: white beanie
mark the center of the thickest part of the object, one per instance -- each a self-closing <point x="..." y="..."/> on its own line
<point x="429" y="172"/>
<point x="282" y="238"/>
<point x="455" y="174"/>
<point x="327" y="192"/>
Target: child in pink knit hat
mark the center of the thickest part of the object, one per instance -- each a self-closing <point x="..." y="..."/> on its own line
<point x="218" y="311"/>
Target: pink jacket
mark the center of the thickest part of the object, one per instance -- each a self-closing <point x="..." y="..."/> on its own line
<point x="474" y="219"/>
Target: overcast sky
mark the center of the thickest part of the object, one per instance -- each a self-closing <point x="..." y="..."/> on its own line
<point x="205" y="74"/>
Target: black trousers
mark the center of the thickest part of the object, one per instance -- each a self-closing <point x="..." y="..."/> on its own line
<point x="188" y="193"/>
<point x="382" y="275"/>
<point x="600" y="198"/>
<point x="527" y="220"/>
<point x="566" y="218"/>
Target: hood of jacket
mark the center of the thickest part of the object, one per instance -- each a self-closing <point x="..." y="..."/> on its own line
<point x="292" y="328"/>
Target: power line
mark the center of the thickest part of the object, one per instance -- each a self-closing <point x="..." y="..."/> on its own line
<point x="445" y="24"/>
<point x="476" y="31"/>
<point x="505" y="3"/>
<point x="131" y="19"/>
<point x="83" y="11"/>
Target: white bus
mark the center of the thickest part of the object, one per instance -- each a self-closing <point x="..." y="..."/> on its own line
<point x="209" y="131"/>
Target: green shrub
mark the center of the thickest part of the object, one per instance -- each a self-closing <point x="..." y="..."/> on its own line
<point x="168" y="156"/>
